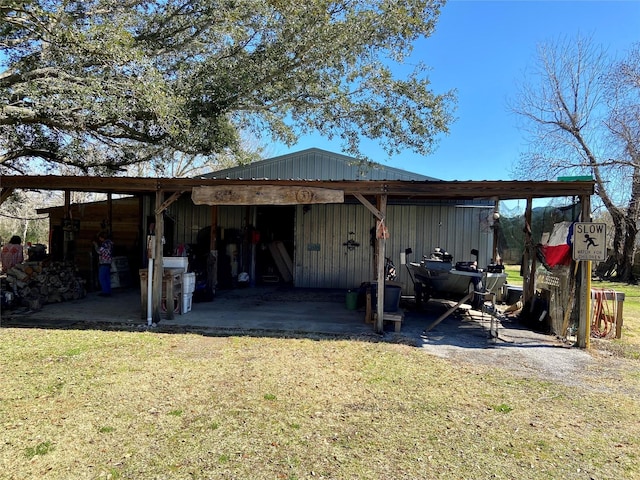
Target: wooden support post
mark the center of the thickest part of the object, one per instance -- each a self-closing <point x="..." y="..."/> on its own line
<point x="527" y="280"/>
<point x="381" y="243"/>
<point x="109" y="213"/>
<point x="619" y="319"/>
<point x="584" y="294"/>
<point x="368" y="310"/>
<point x="212" y="257"/>
<point x="158" y="271"/>
<point x="66" y="254"/>
<point x="496" y="230"/>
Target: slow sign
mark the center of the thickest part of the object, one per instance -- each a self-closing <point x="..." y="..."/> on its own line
<point x="590" y="241"/>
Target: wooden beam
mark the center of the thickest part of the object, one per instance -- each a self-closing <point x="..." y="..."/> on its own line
<point x="168" y="202"/>
<point x="66" y="254"/>
<point x="377" y="213"/>
<point x="496" y="230"/>
<point x="264" y="195"/>
<point x="449" y="312"/>
<point x="434" y="189"/>
<point x="110" y="212"/>
<point x="6" y="193"/>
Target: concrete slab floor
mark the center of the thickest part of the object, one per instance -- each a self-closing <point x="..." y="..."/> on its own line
<point x="275" y="310"/>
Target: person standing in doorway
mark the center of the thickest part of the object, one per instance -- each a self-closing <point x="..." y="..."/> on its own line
<point x="12" y="254"/>
<point x="104" y="247"/>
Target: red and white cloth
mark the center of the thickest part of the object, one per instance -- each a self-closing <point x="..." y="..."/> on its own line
<point x="557" y="250"/>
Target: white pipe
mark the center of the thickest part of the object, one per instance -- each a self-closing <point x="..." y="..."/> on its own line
<point x="150" y="293"/>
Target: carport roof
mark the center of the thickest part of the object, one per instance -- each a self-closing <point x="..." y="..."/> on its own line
<point x="427" y="189"/>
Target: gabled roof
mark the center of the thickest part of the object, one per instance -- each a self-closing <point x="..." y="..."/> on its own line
<point x="316" y="164"/>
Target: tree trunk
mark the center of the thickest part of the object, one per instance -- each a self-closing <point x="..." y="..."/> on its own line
<point x="625" y="263"/>
<point x="630" y="232"/>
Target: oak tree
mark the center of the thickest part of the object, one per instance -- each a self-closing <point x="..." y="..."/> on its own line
<point x="101" y="84"/>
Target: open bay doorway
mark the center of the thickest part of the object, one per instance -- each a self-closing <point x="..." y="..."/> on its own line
<point x="274" y="244"/>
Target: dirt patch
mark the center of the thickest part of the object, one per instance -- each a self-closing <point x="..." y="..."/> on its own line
<point x="531" y="354"/>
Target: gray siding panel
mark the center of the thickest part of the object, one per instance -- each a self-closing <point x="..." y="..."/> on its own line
<point x="334" y="265"/>
<point x="188" y="220"/>
<point x="419" y="227"/>
<point x="422" y="228"/>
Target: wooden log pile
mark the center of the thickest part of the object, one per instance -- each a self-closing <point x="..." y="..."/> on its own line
<point x="38" y="283"/>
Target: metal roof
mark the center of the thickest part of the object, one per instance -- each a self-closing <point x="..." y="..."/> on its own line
<point x="439" y="189"/>
<point x="315" y="164"/>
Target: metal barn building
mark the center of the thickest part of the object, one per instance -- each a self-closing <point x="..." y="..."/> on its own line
<point x="328" y="245"/>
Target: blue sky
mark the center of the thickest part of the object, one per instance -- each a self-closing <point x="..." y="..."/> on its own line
<point x="481" y="49"/>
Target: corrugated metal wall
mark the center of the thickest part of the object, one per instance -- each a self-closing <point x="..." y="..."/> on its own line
<point x="321" y="260"/>
<point x="190" y="219"/>
<point x="419" y="227"/>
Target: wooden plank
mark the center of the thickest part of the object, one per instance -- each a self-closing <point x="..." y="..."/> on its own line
<point x="281" y="262"/>
<point x="377" y="213"/>
<point x="396" y="318"/>
<point x="167" y="203"/>
<point x="285" y="257"/>
<point x="6" y="193"/>
<point x="264" y="195"/>
<point x="449" y="312"/>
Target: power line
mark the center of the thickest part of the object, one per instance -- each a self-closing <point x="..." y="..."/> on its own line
<point x="15" y="217"/>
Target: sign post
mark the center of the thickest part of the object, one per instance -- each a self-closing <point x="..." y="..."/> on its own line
<point x="590" y="241"/>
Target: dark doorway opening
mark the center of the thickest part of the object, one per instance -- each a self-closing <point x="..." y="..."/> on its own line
<point x="274" y="243"/>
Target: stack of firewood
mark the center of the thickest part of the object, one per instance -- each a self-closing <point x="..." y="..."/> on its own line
<point x="37" y="283"/>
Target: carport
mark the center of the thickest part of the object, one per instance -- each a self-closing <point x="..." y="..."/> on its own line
<point x="372" y="194"/>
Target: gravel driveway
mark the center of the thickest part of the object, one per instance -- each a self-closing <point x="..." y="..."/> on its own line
<point x="465" y="338"/>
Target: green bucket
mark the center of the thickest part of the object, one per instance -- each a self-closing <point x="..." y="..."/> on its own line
<point x="352" y="300"/>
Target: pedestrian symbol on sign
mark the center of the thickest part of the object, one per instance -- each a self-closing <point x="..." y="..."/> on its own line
<point x="590" y="241"/>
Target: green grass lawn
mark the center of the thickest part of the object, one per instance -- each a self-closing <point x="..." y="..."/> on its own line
<point x="109" y="405"/>
<point x="131" y="405"/>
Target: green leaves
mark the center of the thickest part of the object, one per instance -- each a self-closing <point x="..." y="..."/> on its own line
<point x="111" y="83"/>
